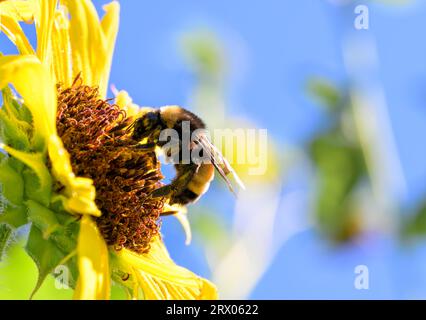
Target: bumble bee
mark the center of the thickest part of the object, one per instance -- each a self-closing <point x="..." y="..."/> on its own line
<point x="193" y="177"/>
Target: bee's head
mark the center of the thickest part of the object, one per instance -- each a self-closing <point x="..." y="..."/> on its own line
<point x="145" y="125"/>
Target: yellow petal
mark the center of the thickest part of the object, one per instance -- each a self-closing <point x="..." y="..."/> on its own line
<point x="81" y="39"/>
<point x="44" y="15"/>
<point x="109" y="24"/>
<point x="61" y="48"/>
<point x="92" y="41"/>
<point x="14" y="32"/>
<point x="93" y="265"/>
<point x="80" y="192"/>
<point x="34" y="83"/>
<point x="86" y="40"/>
<point x="160" y="278"/>
<point x="17" y="10"/>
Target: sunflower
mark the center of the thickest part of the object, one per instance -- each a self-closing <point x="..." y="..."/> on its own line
<point x="69" y="168"/>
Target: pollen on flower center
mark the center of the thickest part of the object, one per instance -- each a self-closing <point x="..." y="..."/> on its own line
<point x="94" y="133"/>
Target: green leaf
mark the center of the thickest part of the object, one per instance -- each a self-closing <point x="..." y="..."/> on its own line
<point x="46" y="255"/>
<point x="5" y="233"/>
<point x="11" y="184"/>
<point x="44" y="219"/>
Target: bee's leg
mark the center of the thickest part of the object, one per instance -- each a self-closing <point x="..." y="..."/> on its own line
<point x="184" y="175"/>
<point x="172" y="210"/>
<point x="169" y="213"/>
<point x="164" y="191"/>
<point x="146" y="146"/>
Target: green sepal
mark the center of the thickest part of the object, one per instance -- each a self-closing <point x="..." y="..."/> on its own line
<point x="16" y="111"/>
<point x="11" y="133"/>
<point x="25" y="113"/>
<point x="11" y="184"/>
<point x="73" y="267"/>
<point x="14" y="216"/>
<point x="57" y="204"/>
<point x="44" y="219"/>
<point x="37" y="162"/>
<point x="10" y="108"/>
<point x="17" y="165"/>
<point x="65" y="218"/>
<point x="62" y="228"/>
<point x="33" y="190"/>
<point x="45" y="254"/>
<point x="64" y="241"/>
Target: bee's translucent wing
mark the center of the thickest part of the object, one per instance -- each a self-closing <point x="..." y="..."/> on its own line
<point x="228" y="168"/>
<point x="220" y="169"/>
<point x="219" y="162"/>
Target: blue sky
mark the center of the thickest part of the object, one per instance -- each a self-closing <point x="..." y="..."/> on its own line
<point x="276" y="46"/>
<point x="273" y="47"/>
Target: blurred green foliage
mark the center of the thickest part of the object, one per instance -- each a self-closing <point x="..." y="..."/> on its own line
<point x="339" y="164"/>
<point x="211" y="230"/>
<point x="18" y="274"/>
<point x="325" y="93"/>
<point x="204" y="54"/>
<point x="414" y="225"/>
<point x="341" y="169"/>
